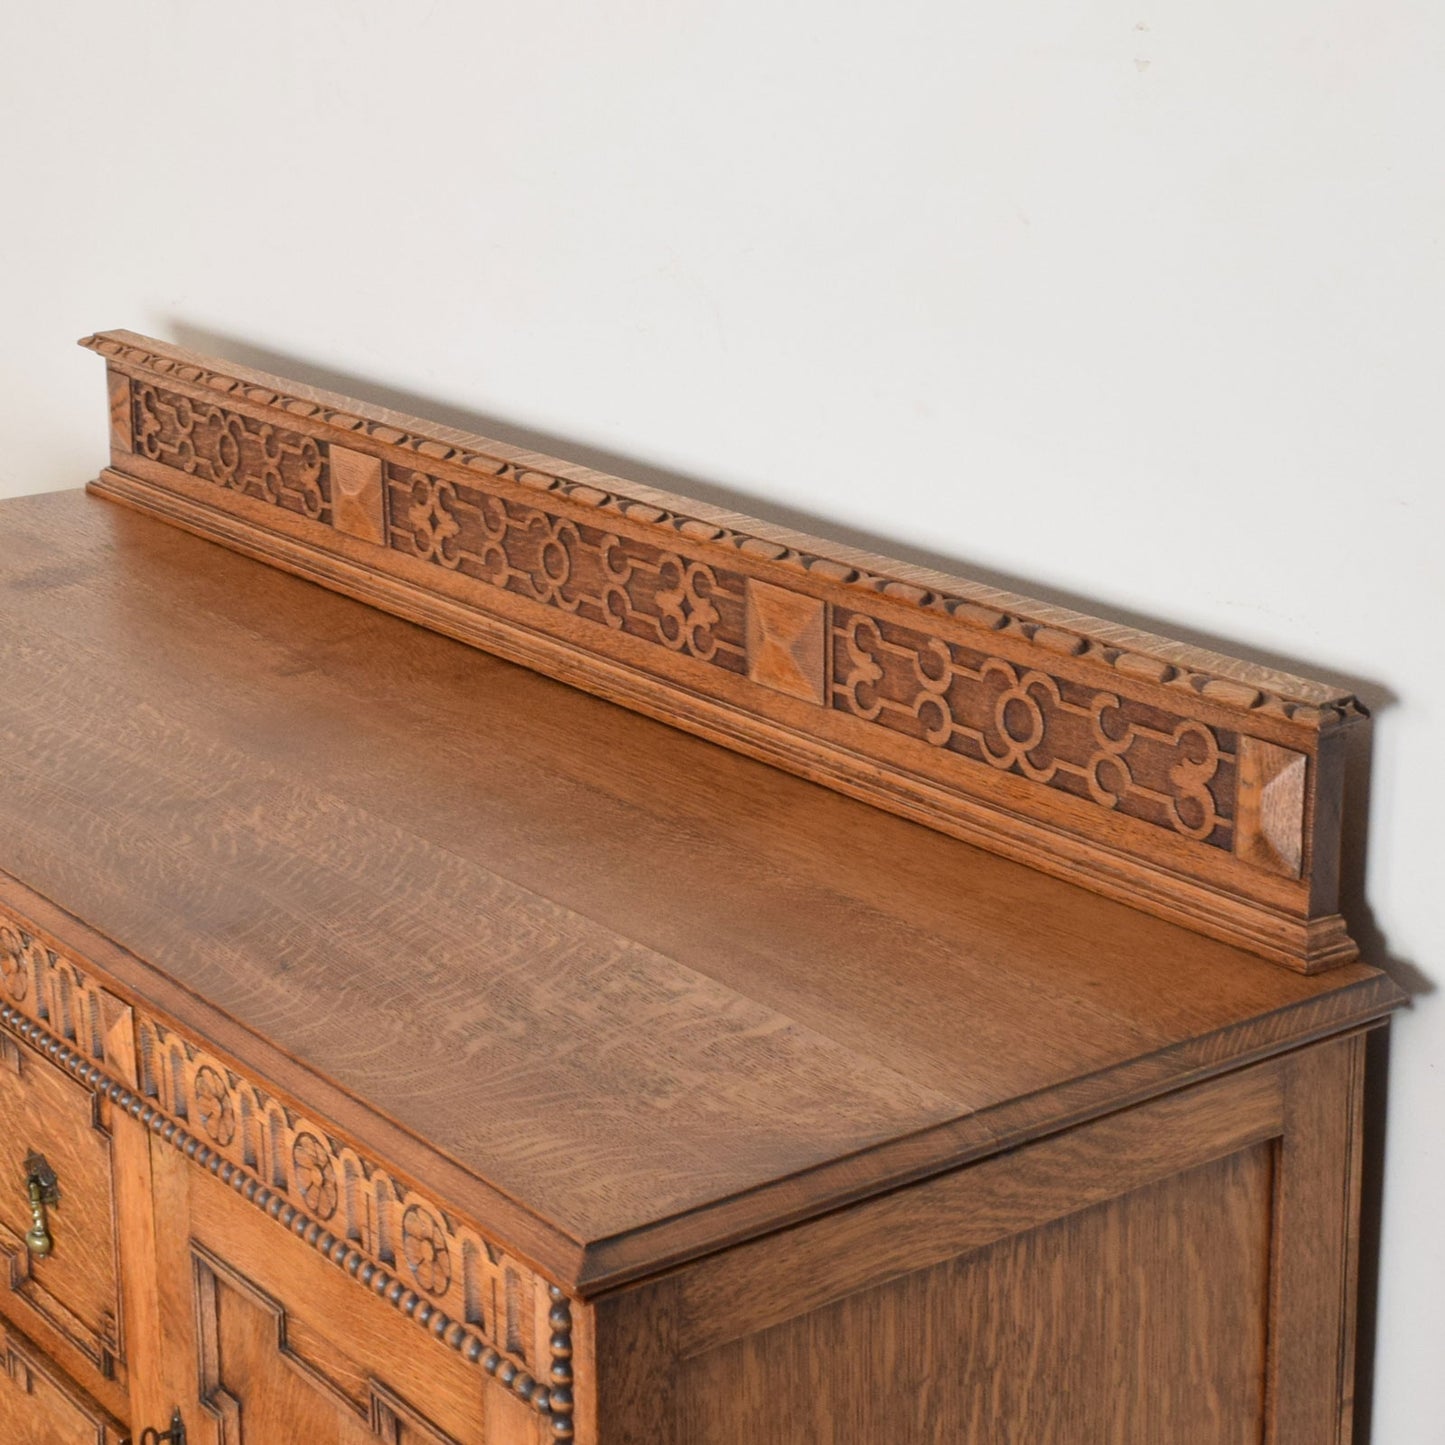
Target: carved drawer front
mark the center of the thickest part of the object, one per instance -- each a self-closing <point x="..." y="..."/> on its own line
<point x="57" y="1206"/>
<point x="284" y="1335"/>
<point x="40" y="1406"/>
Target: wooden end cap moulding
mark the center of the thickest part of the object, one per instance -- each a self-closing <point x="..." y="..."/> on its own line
<point x="1197" y="787"/>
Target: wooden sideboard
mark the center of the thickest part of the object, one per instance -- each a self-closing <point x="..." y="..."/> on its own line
<point x="809" y="1001"/>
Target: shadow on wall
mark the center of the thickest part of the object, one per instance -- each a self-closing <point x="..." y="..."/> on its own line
<point x="1375" y="695"/>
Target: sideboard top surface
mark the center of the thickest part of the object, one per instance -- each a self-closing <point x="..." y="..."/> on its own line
<point x="652" y="994"/>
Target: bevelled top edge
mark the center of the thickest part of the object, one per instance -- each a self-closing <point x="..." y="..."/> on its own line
<point x="1231" y="683"/>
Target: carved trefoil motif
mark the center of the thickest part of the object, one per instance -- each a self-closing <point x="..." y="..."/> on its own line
<point x="314" y="1176"/>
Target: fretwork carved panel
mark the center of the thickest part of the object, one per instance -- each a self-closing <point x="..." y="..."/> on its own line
<point x="661" y="596"/>
<point x="254" y="458"/>
<point x="1113" y="751"/>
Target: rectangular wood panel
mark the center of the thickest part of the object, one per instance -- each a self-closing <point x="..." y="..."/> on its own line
<point x="1181" y="1271"/>
<point x="1139" y="1321"/>
<point x="41" y="1405"/>
<point x="269" y="1342"/>
<point x="52" y="1127"/>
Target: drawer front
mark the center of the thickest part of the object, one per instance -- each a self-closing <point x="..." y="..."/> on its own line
<point x="271" y="1342"/>
<point x="39" y="1405"/>
<point x="58" y="1234"/>
<point x="289" y="1269"/>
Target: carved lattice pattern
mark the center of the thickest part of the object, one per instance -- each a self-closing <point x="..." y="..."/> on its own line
<point x="1114" y="751"/>
<point x="663" y="597"/>
<point x="251" y="457"/>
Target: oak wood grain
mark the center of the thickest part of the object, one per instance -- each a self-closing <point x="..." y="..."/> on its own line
<point x="1315" y="1248"/>
<point x="267" y="1343"/>
<point x="1182" y="1271"/>
<point x="147" y="1327"/>
<point x="758" y="1285"/>
<point x="74" y="1291"/>
<point x="1140" y="1320"/>
<point x="1132" y="764"/>
<point x="650" y="995"/>
<point x="478" y="1063"/>
<point x="41" y="1405"/>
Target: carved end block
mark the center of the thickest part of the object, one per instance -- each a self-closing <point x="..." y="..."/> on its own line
<point x="121" y="433"/>
<point x="1270" y="826"/>
<point x="785" y="641"/>
<point x="356" y="495"/>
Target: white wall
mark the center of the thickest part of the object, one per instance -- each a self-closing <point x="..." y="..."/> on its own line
<point x="1136" y="302"/>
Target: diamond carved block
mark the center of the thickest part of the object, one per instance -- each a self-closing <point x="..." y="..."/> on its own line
<point x="356" y="495"/>
<point x="1270" y="826"/>
<point x="786" y="641"/>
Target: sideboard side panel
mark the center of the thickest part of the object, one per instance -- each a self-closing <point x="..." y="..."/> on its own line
<point x="1183" y="1271"/>
<point x="1140" y="1319"/>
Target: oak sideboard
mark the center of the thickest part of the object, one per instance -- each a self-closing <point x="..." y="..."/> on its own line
<point x="492" y="954"/>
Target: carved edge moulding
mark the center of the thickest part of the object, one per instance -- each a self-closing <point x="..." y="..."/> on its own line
<point x="1197" y="787"/>
<point x="444" y="1275"/>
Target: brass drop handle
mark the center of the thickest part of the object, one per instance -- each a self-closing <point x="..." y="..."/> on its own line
<point x="43" y="1189"/>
